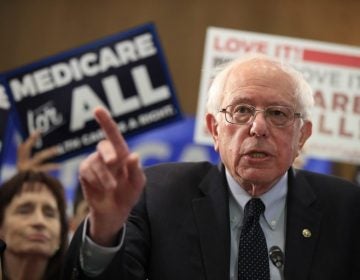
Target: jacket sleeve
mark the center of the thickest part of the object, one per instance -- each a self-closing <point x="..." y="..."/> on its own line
<point x="131" y="260"/>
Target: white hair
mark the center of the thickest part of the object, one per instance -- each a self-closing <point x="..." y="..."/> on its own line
<point x="302" y="91"/>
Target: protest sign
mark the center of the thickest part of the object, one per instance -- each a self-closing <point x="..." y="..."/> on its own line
<point x="125" y="73"/>
<point x="4" y="115"/>
<point x="333" y="71"/>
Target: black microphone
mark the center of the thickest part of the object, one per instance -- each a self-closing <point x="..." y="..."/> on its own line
<point x="277" y="258"/>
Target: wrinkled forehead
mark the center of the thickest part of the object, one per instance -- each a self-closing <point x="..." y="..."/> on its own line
<point x="259" y="73"/>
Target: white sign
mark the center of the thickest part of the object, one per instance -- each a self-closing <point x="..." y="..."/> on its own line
<point x="332" y="70"/>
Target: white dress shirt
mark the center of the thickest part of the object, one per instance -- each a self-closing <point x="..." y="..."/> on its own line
<point x="272" y="221"/>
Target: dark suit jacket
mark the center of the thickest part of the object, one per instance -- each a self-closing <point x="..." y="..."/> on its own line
<point x="180" y="228"/>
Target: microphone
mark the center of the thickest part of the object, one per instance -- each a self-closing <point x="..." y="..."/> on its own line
<point x="277" y="258"/>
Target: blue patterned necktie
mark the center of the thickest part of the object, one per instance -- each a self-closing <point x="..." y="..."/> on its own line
<point x="253" y="263"/>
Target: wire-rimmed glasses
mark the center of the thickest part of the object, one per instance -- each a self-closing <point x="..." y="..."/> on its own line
<point x="279" y="116"/>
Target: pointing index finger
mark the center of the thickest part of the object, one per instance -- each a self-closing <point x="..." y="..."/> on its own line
<point x="111" y="130"/>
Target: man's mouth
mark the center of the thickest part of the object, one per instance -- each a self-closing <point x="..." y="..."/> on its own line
<point x="257" y="155"/>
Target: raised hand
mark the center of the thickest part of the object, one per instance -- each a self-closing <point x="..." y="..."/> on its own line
<point x="37" y="162"/>
<point x="112" y="181"/>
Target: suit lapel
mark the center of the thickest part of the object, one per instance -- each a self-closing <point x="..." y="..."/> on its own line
<point x="212" y="219"/>
<point x="302" y="229"/>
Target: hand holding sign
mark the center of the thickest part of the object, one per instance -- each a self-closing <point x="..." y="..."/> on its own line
<point x="112" y="181"/>
<point x="38" y="161"/>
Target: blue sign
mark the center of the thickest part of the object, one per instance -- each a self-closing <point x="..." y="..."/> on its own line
<point x="125" y="73"/>
<point x="168" y="143"/>
<point x="4" y="116"/>
<point x="172" y="143"/>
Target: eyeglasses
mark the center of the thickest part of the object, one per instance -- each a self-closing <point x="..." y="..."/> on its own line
<point x="279" y="116"/>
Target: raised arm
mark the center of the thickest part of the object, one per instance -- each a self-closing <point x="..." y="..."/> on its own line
<point x="112" y="181"/>
<point x="38" y="161"/>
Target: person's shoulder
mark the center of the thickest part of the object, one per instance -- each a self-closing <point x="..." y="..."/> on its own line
<point x="328" y="181"/>
<point x="335" y="196"/>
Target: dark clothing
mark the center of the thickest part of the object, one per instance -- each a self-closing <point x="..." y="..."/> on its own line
<point x="180" y="228"/>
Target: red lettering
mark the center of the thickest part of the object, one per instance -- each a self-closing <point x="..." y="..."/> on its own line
<point x="233" y="45"/>
<point x="322" y="128"/>
<point x="287" y="52"/>
<point x="217" y="44"/>
<point x="340" y="101"/>
<point x="356" y="108"/>
<point x="342" y="128"/>
<point x="319" y="99"/>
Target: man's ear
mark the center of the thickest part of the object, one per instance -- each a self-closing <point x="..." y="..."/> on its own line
<point x="306" y="131"/>
<point x="212" y="126"/>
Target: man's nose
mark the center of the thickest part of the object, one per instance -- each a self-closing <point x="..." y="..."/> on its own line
<point x="259" y="125"/>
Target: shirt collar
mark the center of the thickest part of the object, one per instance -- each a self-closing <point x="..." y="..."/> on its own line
<point x="274" y="199"/>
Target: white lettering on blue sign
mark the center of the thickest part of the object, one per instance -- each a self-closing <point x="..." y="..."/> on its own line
<point x="88" y="65"/>
<point x="45" y="118"/>
<point x="4" y="101"/>
<point x="84" y="99"/>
